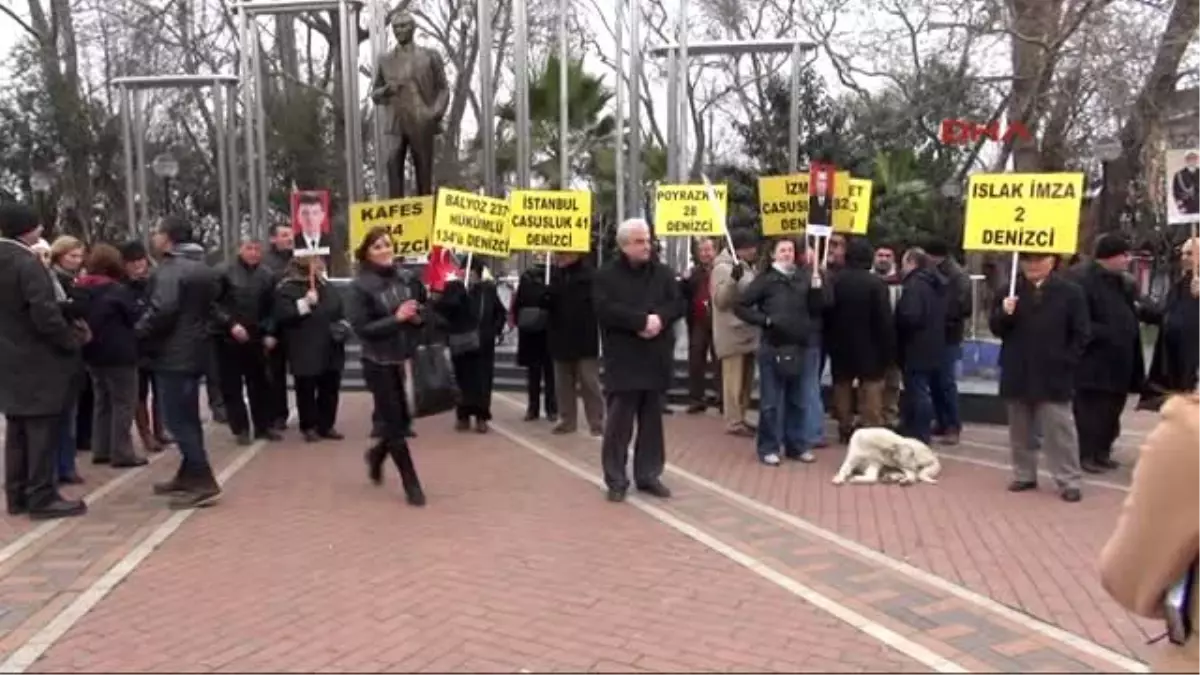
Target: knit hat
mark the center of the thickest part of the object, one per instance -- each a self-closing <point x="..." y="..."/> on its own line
<point x="1111" y="246"/>
<point x="17" y="220"/>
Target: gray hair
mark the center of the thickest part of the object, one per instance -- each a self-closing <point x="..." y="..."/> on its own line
<point x="917" y="257"/>
<point x="629" y="226"/>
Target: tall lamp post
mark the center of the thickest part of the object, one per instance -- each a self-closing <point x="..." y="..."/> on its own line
<point x="40" y="183"/>
<point x="166" y="168"/>
<point x="1107" y="152"/>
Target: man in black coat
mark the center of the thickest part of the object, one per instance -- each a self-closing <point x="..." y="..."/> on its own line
<point x="946" y="421"/>
<point x="1112" y="366"/>
<point x="39" y="354"/>
<point x="573" y="340"/>
<point x="1043" y="331"/>
<point x="244" y="335"/>
<point x="174" y="332"/>
<point x="280" y="249"/>
<point x="637" y="300"/>
<point x="920" y="340"/>
<point x="860" y="337"/>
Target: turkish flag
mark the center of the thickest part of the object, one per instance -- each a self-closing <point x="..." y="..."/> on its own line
<point x="442" y="268"/>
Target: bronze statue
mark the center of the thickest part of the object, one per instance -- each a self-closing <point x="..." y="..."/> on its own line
<point x="410" y="83"/>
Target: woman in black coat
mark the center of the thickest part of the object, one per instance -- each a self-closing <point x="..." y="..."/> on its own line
<point x="386" y="308"/>
<point x="110" y="310"/>
<point x="533" y="354"/>
<point x="310" y="323"/>
<point x="474" y="318"/>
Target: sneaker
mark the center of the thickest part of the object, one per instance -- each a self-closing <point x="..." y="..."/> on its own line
<point x="415" y="496"/>
<point x="806" y="457"/>
<point x="1071" y="495"/>
<point x="560" y="429"/>
<point x="169" y="487"/>
<point x="949" y="438"/>
<point x="770" y="460"/>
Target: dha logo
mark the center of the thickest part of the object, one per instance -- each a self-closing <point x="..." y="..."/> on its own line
<point x="965" y="132"/>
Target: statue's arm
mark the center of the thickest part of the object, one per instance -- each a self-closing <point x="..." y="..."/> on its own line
<point x="442" y="98"/>
<point x="379" y="86"/>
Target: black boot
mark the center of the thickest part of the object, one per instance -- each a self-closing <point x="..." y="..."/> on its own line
<point x="176" y="484"/>
<point x="408" y="472"/>
<point x="374" y="459"/>
<point x="200" y="489"/>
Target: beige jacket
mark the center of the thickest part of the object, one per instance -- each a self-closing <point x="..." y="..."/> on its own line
<point x="731" y="335"/>
<point x="1158" y="532"/>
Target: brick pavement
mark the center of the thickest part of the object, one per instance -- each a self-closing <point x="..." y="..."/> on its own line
<point x="1030" y="552"/>
<point x="973" y="534"/>
<point x="48" y="573"/>
<point x="515" y="564"/>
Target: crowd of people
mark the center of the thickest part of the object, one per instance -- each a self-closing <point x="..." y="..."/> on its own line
<point x="141" y="332"/>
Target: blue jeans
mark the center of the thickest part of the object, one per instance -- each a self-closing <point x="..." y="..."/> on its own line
<point x="780" y="408"/>
<point x="944" y="391"/>
<point x="810" y="396"/>
<point x="179" y="394"/>
<point x="916" y="406"/>
<point x="64" y="456"/>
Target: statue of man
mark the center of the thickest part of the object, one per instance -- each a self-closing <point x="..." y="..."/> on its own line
<point x="410" y="83"/>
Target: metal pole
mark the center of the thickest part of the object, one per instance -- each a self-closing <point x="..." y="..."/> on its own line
<point x="248" y="108"/>
<point x="379" y="43"/>
<point x="260" y="114"/>
<point x="673" y="116"/>
<point x="487" y="125"/>
<point x="348" y="74"/>
<point x="793" y="142"/>
<point x="685" y="169"/>
<point x="222" y="162"/>
<point x="127" y="138"/>
<point x="635" y="107"/>
<point x="231" y="169"/>
<point x="139" y="159"/>
<point x="521" y="86"/>
<point x="353" y="115"/>
<point x="564" y="122"/>
<point x="619" y="155"/>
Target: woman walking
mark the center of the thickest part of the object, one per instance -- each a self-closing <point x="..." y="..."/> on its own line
<point x="474" y="317"/>
<point x="386" y="307"/>
<point x="66" y="260"/>
<point x="311" y="324"/>
<point x="110" y="310"/>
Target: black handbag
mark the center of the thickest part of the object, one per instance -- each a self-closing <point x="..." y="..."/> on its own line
<point x="466" y="342"/>
<point x="429" y="382"/>
<point x="789" y="360"/>
<point x="532" y="319"/>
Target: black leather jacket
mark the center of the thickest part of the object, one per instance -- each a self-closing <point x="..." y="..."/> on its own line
<point x="244" y="297"/>
<point x="174" y="331"/>
<point x="374" y="296"/>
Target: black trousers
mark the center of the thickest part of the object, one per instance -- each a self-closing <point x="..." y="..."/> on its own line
<point x="475" y="373"/>
<point x="386" y="383"/>
<point x="277" y="389"/>
<point x="83" y="415"/>
<point x="30" y="449"/>
<point x="537" y="374"/>
<point x="625" y="409"/>
<point x="317" y="400"/>
<point x="1097" y="423"/>
<point x="241" y="365"/>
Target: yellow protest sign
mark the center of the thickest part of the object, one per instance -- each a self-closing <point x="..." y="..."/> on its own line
<point x="684" y="211"/>
<point x="471" y="223"/>
<point x="549" y="220"/>
<point x="409" y="222"/>
<point x="783" y="204"/>
<point x="1034" y="212"/>
<point x="851" y="204"/>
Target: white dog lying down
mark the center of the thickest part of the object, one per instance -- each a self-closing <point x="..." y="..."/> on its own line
<point x="878" y="454"/>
